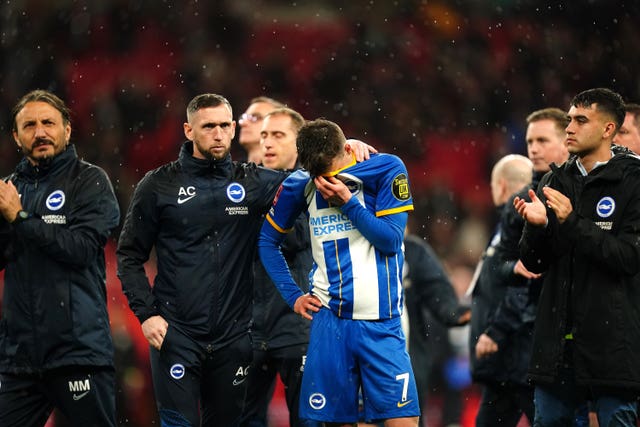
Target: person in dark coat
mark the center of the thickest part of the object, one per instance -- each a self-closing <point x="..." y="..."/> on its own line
<point x="56" y="214"/>
<point x="429" y="298"/>
<point x="506" y="302"/>
<point x="280" y="336"/>
<point x="583" y="231"/>
<point x="491" y="298"/>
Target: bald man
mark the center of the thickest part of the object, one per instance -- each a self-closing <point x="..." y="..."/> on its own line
<point x="498" y="337"/>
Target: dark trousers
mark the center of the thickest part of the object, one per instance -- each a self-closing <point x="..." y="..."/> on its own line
<point x="84" y="395"/>
<point x="565" y="404"/>
<point x="503" y="405"/>
<point x="193" y="384"/>
<point x="266" y="365"/>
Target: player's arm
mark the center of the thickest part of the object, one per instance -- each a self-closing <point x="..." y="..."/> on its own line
<point x="269" y="244"/>
<point x="386" y="232"/>
<point x="289" y="203"/>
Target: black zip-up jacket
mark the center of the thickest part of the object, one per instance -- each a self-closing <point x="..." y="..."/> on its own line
<point x="504" y="304"/>
<point x="54" y="310"/>
<point x="589" y="288"/>
<point x="275" y="325"/>
<point x="203" y="218"/>
<point x="429" y="296"/>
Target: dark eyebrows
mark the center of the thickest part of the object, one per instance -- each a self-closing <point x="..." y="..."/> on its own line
<point x="578" y="117"/>
<point x="214" y="124"/>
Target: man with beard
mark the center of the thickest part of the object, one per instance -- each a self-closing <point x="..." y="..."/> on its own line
<point x="56" y="213"/>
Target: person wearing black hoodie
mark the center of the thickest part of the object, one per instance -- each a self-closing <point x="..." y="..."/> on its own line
<point x="505" y="300"/>
<point x="582" y="231"/>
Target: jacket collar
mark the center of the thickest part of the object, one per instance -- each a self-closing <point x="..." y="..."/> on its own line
<point x="57" y="164"/>
<point x="613" y="170"/>
<point x="197" y="166"/>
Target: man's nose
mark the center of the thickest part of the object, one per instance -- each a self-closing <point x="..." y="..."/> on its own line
<point x="40" y="132"/>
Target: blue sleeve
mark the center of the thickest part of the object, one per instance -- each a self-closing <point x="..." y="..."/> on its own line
<point x="386" y="233"/>
<point x="287" y="206"/>
<point x="274" y="263"/>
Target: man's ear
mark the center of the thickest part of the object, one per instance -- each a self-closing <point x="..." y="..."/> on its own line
<point x="15" y="138"/>
<point x="347" y="147"/>
<point x="187" y="130"/>
<point x="609" y="129"/>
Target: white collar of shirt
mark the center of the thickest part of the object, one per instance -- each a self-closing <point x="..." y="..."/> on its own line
<point x="584" y="172"/>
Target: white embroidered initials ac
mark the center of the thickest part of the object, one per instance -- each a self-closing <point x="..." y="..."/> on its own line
<point x="186" y="194"/>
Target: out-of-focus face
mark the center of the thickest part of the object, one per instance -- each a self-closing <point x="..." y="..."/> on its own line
<point x="278" y="142"/>
<point x="211" y="129"/>
<point x="629" y="134"/>
<point x="545" y="144"/>
<point x="41" y="132"/>
<point x="586" y="130"/>
<point x="251" y="124"/>
<point x="497" y="185"/>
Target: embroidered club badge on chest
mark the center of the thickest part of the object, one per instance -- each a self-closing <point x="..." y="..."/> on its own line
<point x="605" y="207"/>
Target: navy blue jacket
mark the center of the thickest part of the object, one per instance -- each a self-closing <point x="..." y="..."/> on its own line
<point x="203" y="218"/>
<point x="54" y="310"/>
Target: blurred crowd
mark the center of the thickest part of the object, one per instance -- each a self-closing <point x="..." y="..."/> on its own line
<point x="445" y="85"/>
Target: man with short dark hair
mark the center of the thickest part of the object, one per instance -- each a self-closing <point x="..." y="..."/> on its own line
<point x="56" y="213"/>
<point x="582" y="231"/>
<point x="202" y="213"/>
<point x="357" y="216"/>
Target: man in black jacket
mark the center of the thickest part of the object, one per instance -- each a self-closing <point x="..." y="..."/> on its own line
<point x="583" y="231"/>
<point x="280" y="336"/>
<point x="202" y="213"/>
<point x="56" y="213"/>
<point x="429" y="297"/>
<point x="505" y="298"/>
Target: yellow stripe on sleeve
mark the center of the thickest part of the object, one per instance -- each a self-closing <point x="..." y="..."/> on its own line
<point x="277" y="227"/>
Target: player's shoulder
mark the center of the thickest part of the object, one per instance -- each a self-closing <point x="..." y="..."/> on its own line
<point x="381" y="161"/>
<point x="297" y="178"/>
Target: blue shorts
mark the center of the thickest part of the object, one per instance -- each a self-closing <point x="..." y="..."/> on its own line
<point x="348" y="356"/>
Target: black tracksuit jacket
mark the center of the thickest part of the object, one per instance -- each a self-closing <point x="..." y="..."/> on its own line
<point x="591" y="288"/>
<point x="54" y="310"/>
<point x="275" y="324"/>
<point x="203" y="218"/>
<point x="504" y="304"/>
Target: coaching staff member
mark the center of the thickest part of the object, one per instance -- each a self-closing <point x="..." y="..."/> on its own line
<point x="202" y="213"/>
<point x="56" y="213"/>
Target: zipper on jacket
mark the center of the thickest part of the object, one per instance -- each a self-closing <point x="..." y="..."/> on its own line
<point x="215" y="292"/>
<point x="36" y="337"/>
